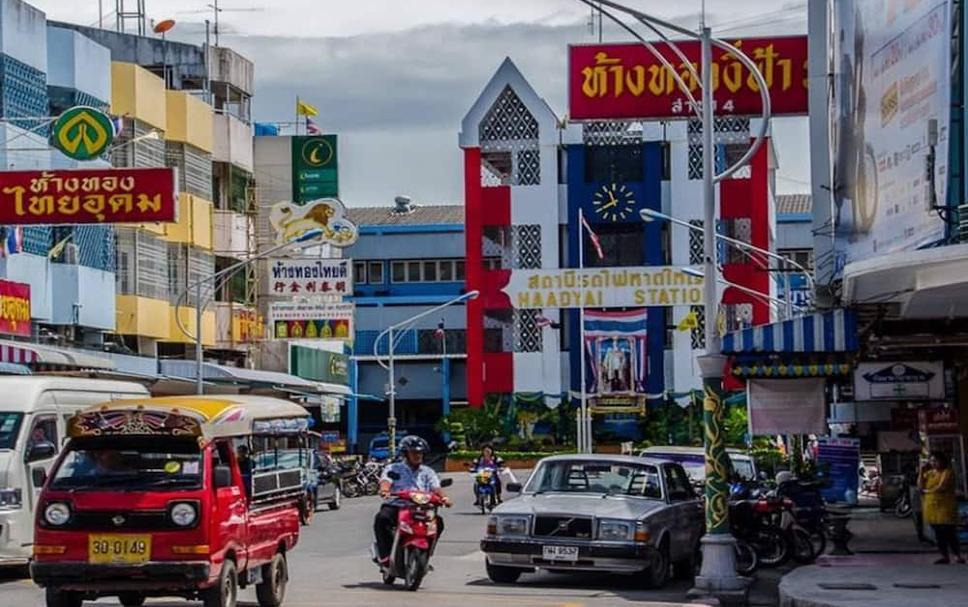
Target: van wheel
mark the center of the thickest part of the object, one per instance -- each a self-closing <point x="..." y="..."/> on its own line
<point x="131" y="599"/>
<point x="226" y="592"/>
<point x="272" y="590"/>
<point x="59" y="598"/>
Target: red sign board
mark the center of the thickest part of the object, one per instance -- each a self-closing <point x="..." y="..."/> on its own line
<point x="14" y="308"/>
<point x="939" y="421"/>
<point x="626" y="81"/>
<point x="87" y="196"/>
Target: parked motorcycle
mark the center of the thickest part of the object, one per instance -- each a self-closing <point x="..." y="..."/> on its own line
<point x="414" y="539"/>
<point x="751" y="522"/>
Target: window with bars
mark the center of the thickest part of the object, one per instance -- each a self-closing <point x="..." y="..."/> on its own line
<point x="622" y="245"/>
<point x="430" y="342"/>
<point x="803" y="257"/>
<point x="194" y="168"/>
<point x="151" y="274"/>
<point x="144" y="153"/>
<point x="732" y="135"/>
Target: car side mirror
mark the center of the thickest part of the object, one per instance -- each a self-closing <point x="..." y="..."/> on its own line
<point x="41" y="450"/>
<point x="222" y="477"/>
<point x="515" y="487"/>
<point x="447" y="482"/>
<point x="38" y="476"/>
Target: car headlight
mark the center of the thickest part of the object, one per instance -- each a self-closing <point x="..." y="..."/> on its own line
<point x="183" y="514"/>
<point x="614" y="531"/>
<point x="57" y="514"/>
<point x="512" y="525"/>
<point x="10" y="498"/>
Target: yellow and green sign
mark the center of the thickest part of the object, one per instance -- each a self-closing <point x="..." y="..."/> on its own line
<point x="315" y="172"/>
<point x="82" y="133"/>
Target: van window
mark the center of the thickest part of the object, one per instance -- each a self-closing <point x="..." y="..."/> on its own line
<point x="43" y="430"/>
<point x="9" y="428"/>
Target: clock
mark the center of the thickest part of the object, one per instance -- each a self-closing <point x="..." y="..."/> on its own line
<point x="614" y="202"/>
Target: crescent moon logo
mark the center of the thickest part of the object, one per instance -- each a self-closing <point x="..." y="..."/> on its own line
<point x="317" y="152"/>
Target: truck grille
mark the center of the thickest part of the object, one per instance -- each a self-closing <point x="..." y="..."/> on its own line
<point x="563" y="526"/>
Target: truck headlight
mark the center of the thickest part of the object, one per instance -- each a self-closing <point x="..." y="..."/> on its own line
<point x="10" y="498"/>
<point x="57" y="514"/>
<point x="183" y="514"/>
<point x="614" y="531"/>
<point x="512" y="525"/>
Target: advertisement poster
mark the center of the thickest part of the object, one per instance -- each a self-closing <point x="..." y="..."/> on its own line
<point x="311" y="277"/>
<point x="617" y="358"/>
<point x="14" y="308"/>
<point x="315" y="168"/>
<point x="839" y="460"/>
<point x="293" y="222"/>
<point x="603" y="288"/>
<point x="87" y="196"/>
<point x="626" y="81"/>
<point x="891" y="64"/>
<point x="292" y="320"/>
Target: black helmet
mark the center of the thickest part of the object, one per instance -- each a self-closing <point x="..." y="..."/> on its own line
<point x="414" y="443"/>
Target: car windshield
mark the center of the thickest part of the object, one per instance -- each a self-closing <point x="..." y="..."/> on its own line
<point x="695" y="463"/>
<point x="282" y="458"/>
<point x="127" y="464"/>
<point x="9" y="428"/>
<point x="596" y="477"/>
<point x="743" y="467"/>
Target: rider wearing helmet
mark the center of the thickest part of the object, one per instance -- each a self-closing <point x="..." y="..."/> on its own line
<point x="410" y="473"/>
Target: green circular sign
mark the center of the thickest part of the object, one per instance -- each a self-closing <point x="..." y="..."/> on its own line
<point x="82" y="133"/>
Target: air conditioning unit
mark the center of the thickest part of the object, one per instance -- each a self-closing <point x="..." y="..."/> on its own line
<point x="72" y="254"/>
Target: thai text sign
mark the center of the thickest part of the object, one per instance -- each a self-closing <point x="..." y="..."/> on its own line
<point x="14" y="308"/>
<point x="311" y="277"/>
<point x="295" y="320"/>
<point x="609" y="81"/>
<point x="87" y="196"/>
<point x="604" y="288"/>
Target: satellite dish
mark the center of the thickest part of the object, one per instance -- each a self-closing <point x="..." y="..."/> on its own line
<point x="163" y="26"/>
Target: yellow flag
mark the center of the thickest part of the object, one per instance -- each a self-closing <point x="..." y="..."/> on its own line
<point x="304" y="109"/>
<point x="57" y="249"/>
<point x="690" y="322"/>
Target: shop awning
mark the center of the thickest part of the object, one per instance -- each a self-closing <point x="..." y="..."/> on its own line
<point x="239" y="375"/>
<point x="23" y="353"/>
<point x="824" y="332"/>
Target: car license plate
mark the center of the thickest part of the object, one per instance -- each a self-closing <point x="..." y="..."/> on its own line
<point x="126" y="549"/>
<point x="560" y="553"/>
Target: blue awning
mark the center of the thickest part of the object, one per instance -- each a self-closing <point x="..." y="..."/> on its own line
<point x="824" y="332"/>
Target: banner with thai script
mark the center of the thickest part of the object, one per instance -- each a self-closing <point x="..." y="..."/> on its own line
<point x="616" y="353"/>
<point x="644" y="286"/>
<point x="311" y="277"/>
<point x="297" y="320"/>
<point x="14" y="308"/>
<point x="626" y="81"/>
<point x="87" y="196"/>
<point x="787" y="406"/>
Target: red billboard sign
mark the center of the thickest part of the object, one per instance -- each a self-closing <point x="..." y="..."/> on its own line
<point x="87" y="196"/>
<point x="626" y="81"/>
<point x="14" y="308"/>
<point x="939" y="421"/>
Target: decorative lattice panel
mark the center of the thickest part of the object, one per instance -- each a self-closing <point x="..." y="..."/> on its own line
<point x="698" y="334"/>
<point x="151" y="274"/>
<point x="526" y="244"/>
<point x="738" y="316"/>
<point x="38" y="239"/>
<point x="499" y="322"/>
<point x="194" y="168"/>
<point x="527" y="333"/>
<point x="615" y="132"/>
<point x="695" y="243"/>
<point x="740" y="228"/>
<point x="528" y="167"/>
<point x="732" y="136"/>
<point x="508" y="124"/>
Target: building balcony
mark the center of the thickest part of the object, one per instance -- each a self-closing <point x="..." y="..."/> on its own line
<point x="236" y="326"/>
<point x="194" y="225"/>
<point x="187" y="316"/>
<point x="228" y="67"/>
<point x="137" y="93"/>
<point x="189" y="120"/>
<point x="231" y="234"/>
<point x="142" y="316"/>
<point x="83" y="296"/>
<point x="232" y="141"/>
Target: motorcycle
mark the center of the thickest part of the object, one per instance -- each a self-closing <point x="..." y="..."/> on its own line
<point x="414" y="538"/>
<point x="750" y="521"/>
<point x="485" y="488"/>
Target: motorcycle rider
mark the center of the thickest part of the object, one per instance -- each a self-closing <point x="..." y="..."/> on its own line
<point x="413" y="475"/>
<point x="490" y="459"/>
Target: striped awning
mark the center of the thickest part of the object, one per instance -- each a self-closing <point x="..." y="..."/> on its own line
<point x="824" y="332"/>
<point x="17" y="354"/>
<point x="23" y="353"/>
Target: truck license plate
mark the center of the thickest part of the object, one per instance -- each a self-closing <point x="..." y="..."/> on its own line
<point x="560" y="553"/>
<point x="126" y="549"/>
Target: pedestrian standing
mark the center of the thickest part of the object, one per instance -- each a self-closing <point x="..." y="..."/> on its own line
<point x="937" y="485"/>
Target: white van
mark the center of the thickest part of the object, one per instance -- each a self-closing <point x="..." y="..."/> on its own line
<point x="33" y="415"/>
<point x="693" y="460"/>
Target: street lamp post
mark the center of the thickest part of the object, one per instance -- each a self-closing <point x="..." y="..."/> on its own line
<point x="689" y="271"/>
<point x="200" y="307"/>
<point x="392" y="383"/>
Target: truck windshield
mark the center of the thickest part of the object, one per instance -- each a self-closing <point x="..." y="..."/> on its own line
<point x="9" y="428"/>
<point x="126" y="464"/>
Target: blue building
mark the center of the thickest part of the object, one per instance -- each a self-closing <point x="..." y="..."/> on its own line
<point x="408" y="258"/>
<point x="794" y="240"/>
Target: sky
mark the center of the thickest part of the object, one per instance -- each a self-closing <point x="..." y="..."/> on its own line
<point x="394" y="78"/>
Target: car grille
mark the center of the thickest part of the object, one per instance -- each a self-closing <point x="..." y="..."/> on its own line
<point x="99" y="520"/>
<point x="563" y="526"/>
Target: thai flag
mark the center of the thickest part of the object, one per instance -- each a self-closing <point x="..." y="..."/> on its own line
<point x="312" y="128"/>
<point x="11" y="240"/>
<point x="594" y="238"/>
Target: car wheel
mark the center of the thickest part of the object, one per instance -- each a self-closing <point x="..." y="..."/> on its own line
<point x="62" y="598"/>
<point x="689" y="568"/>
<point x="337" y="499"/>
<point x="226" y="592"/>
<point x="131" y="599"/>
<point x="657" y="575"/>
<point x="272" y="590"/>
<point x="502" y="575"/>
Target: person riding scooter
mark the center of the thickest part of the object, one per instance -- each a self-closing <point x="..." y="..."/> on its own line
<point x="489" y="459"/>
<point x="409" y="473"/>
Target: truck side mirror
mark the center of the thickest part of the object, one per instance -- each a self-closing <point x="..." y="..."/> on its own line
<point x="38" y="476"/>
<point x="222" y="477"/>
<point x="41" y="450"/>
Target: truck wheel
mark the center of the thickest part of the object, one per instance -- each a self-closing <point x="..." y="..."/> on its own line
<point x="60" y="598"/>
<point x="272" y="590"/>
<point x="131" y="599"/>
<point x="337" y="499"/>
<point x="502" y="575"/>
<point x="226" y="592"/>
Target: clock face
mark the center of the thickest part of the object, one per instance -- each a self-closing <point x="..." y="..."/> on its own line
<point x="614" y="202"/>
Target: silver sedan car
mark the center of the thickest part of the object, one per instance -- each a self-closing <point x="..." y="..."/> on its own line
<point x="601" y="513"/>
